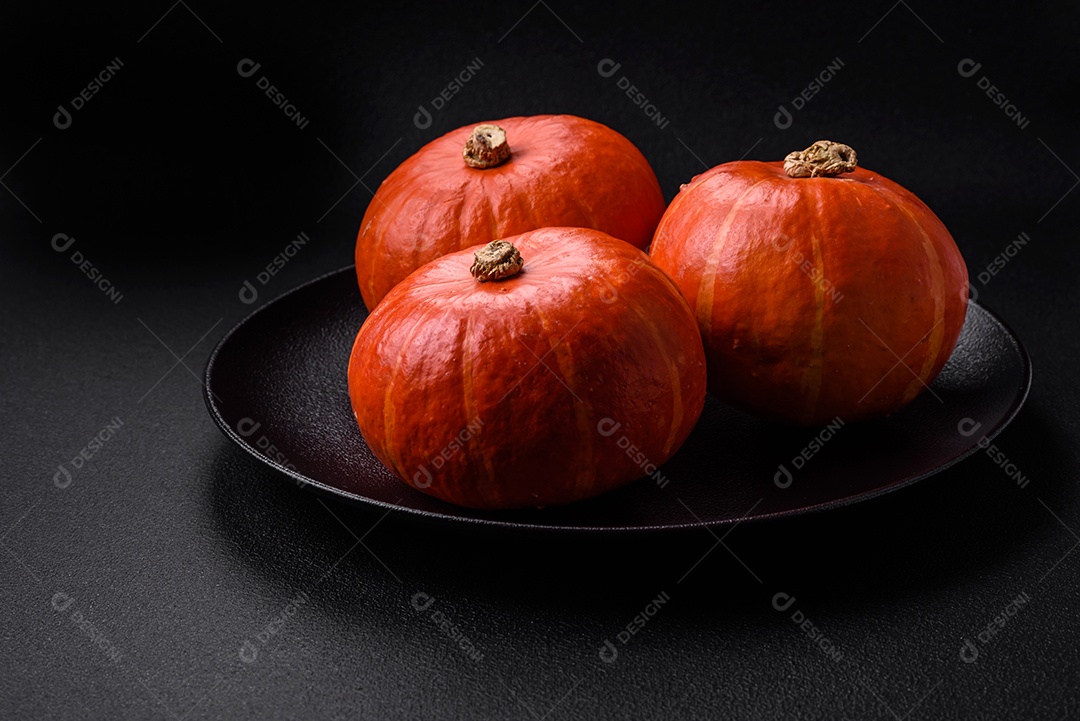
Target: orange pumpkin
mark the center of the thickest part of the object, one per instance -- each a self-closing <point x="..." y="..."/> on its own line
<point x="561" y="377"/>
<point x="822" y="289"/>
<point x="474" y="185"/>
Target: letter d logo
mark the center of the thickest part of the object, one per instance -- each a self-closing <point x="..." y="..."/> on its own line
<point x="62" y="478"/>
<point x="247" y="426"/>
<point x="782" y="242"/>
<point x="61" y="242"/>
<point x="422" y="119"/>
<point x="608" y="652"/>
<point x="246" y="68"/>
<point x="969" y="652"/>
<point x="782" y="601"/>
<point x="608" y="294"/>
<point x="968" y="427"/>
<point x="783" y="477"/>
<point x="422" y="478"/>
<point x="967" y="68"/>
<point x="248" y="652"/>
<point x="607" y="427"/>
<point x="62" y="118"/>
<point x="61" y="601"/>
<point x="607" y="67"/>
<point x="782" y="119"/>
<point x="248" y="294"/>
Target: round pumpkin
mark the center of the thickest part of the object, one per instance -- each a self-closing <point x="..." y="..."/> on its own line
<point x="822" y="289"/>
<point x="476" y="184"/>
<point x="489" y="381"/>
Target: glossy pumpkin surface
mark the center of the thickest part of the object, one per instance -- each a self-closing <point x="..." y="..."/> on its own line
<point x="562" y="171"/>
<point x="577" y="375"/>
<point x="817" y="297"/>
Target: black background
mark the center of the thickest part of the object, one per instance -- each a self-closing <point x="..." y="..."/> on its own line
<point x="179" y="180"/>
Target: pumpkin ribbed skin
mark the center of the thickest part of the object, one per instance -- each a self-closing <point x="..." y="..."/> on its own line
<point x="520" y="392"/>
<point x="808" y="291"/>
<point x="563" y="171"/>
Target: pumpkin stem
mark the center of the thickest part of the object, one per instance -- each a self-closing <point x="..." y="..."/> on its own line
<point x="497" y="260"/>
<point x="486" y="147"/>
<point x="822" y="158"/>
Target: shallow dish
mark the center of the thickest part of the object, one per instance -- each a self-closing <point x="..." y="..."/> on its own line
<point x="276" y="386"/>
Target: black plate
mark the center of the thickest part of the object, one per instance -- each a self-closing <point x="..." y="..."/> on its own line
<point x="276" y="385"/>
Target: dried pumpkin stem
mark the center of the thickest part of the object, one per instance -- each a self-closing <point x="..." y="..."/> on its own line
<point x="497" y="260"/>
<point x="486" y="147"/>
<point x="823" y="158"/>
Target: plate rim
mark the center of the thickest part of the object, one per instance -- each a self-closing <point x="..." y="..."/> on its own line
<point x="324" y="489"/>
